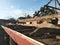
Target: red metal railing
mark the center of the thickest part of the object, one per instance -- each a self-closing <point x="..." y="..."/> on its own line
<point x="21" y="39"/>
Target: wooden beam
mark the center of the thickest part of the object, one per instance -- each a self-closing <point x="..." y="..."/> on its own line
<point x="34" y="31"/>
<point x="44" y="25"/>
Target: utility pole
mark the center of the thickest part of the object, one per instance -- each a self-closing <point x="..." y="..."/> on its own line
<point x="10" y="41"/>
<point x="55" y="5"/>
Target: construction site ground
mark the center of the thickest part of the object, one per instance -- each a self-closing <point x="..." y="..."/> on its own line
<point x="42" y="35"/>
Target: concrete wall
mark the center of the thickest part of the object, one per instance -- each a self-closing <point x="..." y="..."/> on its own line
<point x="59" y="19"/>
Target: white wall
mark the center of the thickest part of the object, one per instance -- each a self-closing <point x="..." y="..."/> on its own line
<point x="59" y="21"/>
<point x="27" y="22"/>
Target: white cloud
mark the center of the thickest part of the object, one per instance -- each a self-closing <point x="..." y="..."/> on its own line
<point x="15" y="13"/>
<point x="12" y="6"/>
<point x="9" y="9"/>
<point x="18" y="12"/>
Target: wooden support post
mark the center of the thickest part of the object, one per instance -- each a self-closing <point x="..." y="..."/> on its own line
<point x="44" y="25"/>
<point x="33" y="31"/>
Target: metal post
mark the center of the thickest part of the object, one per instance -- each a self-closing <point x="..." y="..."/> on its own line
<point x="10" y="40"/>
<point x="55" y="6"/>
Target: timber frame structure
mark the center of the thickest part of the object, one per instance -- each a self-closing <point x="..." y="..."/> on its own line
<point x="46" y="22"/>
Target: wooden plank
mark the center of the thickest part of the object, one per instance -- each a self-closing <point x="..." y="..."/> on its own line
<point x="34" y="31"/>
<point x="44" y="25"/>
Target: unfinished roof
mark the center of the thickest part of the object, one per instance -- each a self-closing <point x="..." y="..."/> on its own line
<point x="48" y="25"/>
<point x="39" y="18"/>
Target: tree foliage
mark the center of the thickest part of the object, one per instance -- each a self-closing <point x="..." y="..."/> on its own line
<point x="12" y="20"/>
<point x="28" y="16"/>
<point x="22" y="18"/>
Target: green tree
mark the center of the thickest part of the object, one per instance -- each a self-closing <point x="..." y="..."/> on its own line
<point x="22" y="18"/>
<point x="12" y="20"/>
<point x="28" y="16"/>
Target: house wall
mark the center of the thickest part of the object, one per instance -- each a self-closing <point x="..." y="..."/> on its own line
<point x="27" y="22"/>
<point x="32" y="23"/>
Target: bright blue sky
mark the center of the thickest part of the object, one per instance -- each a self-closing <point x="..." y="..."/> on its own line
<point x="17" y="8"/>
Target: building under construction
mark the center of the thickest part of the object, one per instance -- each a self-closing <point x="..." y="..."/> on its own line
<point x="43" y="30"/>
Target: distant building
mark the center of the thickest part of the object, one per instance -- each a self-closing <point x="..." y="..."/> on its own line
<point x="38" y="20"/>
